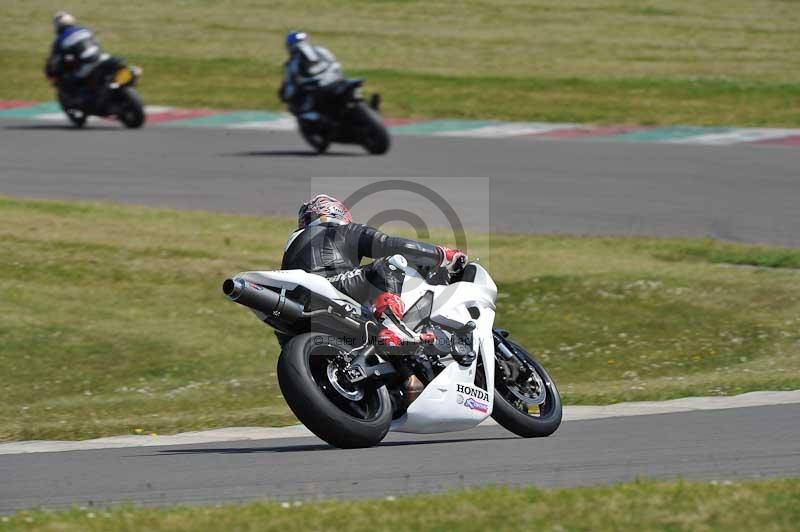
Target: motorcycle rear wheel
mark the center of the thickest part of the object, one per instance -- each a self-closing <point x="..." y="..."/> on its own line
<point x="132" y="110"/>
<point x="374" y="135"/>
<point x="344" y="415"/>
<point x="513" y="414"/>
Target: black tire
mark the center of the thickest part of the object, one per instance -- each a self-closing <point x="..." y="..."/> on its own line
<point x="131" y="108"/>
<point x="78" y="120"/>
<point x="75" y="116"/>
<point x="317" y="140"/>
<point x="373" y="133"/>
<point x="316" y="403"/>
<point x="508" y="412"/>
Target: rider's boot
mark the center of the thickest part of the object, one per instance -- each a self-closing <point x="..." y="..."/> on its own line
<point x="393" y="334"/>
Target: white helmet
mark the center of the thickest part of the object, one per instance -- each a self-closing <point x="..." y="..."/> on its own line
<point x="323" y="209"/>
<point x="62" y="19"/>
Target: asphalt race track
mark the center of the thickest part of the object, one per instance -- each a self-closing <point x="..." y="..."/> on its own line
<point x="712" y="445"/>
<point x="742" y="193"/>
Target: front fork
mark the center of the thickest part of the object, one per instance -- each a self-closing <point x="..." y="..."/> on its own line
<point x="513" y="366"/>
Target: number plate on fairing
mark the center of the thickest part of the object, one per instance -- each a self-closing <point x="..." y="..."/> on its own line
<point x="123" y="76"/>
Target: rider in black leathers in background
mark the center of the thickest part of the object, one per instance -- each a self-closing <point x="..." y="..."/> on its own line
<point x="327" y="243"/>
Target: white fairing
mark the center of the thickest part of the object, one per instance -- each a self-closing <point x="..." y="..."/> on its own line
<point x="451" y="401"/>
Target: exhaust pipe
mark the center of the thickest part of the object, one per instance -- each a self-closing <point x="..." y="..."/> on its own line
<point x="262" y="299"/>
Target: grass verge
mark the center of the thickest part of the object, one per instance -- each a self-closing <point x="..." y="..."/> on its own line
<point x="112" y="320"/>
<point x="722" y="62"/>
<point x="772" y="505"/>
<point x="647" y="101"/>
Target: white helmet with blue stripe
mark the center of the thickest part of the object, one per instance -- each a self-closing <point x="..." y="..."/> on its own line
<point x="62" y="20"/>
<point x="294" y="38"/>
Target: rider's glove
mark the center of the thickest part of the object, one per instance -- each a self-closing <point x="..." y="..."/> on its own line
<point x="453" y="260"/>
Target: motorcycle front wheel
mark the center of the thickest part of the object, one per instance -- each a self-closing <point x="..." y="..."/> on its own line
<point x="527" y="406"/>
<point x="345" y="415"/>
<point x="76" y="116"/>
<point x="316" y="139"/>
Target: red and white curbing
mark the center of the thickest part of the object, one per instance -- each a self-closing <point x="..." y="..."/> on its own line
<point x="738" y="136"/>
<point x="512" y="129"/>
<point x="478" y="129"/>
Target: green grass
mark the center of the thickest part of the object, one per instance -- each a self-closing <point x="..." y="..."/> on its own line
<point x="724" y="253"/>
<point x="771" y="505"/>
<point x="721" y="62"/>
<point x="112" y="319"/>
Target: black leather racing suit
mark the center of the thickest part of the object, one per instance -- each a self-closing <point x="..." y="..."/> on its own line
<point x="335" y="252"/>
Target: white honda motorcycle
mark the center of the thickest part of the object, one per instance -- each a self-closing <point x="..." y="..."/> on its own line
<point x="339" y="385"/>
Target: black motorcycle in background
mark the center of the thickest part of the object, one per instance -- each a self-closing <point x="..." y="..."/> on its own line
<point x="340" y="114"/>
<point x="108" y="92"/>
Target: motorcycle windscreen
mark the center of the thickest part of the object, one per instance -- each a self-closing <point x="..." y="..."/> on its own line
<point x="419" y="311"/>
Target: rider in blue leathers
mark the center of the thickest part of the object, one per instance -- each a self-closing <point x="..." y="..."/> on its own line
<point x="309" y="69"/>
<point x="74" y="55"/>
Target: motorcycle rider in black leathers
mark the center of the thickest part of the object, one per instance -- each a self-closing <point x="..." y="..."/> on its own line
<point x="74" y="55"/>
<point x="307" y="72"/>
<point x="328" y="243"/>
